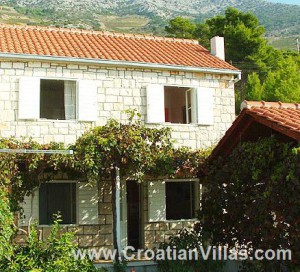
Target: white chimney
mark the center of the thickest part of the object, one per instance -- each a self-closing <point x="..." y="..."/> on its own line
<point x="217" y="47"/>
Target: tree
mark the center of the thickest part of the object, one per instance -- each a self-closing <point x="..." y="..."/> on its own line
<point x="277" y="76"/>
<point x="281" y="83"/>
<point x="180" y="27"/>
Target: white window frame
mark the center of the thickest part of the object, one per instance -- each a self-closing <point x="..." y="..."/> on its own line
<point x="81" y="113"/>
<point x="202" y="104"/>
<point x="197" y="199"/>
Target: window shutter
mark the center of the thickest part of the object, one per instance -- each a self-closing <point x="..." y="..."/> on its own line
<point x="87" y="100"/>
<point x="30" y="207"/>
<point x="29" y="98"/>
<point x="205" y="106"/>
<point x="156" y="201"/>
<point x="155" y="103"/>
<point x="88" y="204"/>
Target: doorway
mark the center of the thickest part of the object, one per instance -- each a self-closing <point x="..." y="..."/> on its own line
<point x="134" y="214"/>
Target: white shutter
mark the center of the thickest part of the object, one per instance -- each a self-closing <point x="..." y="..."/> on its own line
<point x="155" y="103"/>
<point x="87" y="100"/>
<point x="194" y="105"/>
<point x="29" y="98"/>
<point x="30" y="208"/>
<point x="156" y="201"/>
<point x="205" y="106"/>
<point x="87" y="204"/>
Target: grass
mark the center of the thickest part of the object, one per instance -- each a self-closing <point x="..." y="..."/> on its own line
<point x="10" y="16"/>
<point x="284" y="42"/>
<point x="122" y="23"/>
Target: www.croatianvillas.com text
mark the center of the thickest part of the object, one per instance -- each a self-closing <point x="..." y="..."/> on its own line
<point x="220" y="253"/>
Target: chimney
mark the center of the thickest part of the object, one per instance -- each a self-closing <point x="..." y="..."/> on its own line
<point x="217" y="47"/>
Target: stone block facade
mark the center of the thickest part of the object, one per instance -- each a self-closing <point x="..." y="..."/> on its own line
<point x="118" y="89"/>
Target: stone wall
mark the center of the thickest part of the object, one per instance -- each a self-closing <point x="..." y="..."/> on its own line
<point x="118" y="89"/>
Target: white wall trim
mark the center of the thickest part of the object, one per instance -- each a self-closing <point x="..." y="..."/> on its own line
<point x="21" y="57"/>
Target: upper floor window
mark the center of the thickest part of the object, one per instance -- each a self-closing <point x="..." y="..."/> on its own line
<point x="56" y="99"/>
<point x="179" y="104"/>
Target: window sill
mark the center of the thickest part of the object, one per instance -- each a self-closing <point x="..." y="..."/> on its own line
<point x="175" y="124"/>
<point x="63" y="225"/>
<point x="56" y="120"/>
<point x="180" y="220"/>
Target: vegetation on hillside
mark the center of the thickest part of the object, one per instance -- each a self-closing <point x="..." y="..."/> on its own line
<point x="279" y="19"/>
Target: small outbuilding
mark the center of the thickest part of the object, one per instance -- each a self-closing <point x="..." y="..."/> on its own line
<point x="260" y="120"/>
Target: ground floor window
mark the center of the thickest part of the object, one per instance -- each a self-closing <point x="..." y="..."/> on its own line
<point x="57" y="198"/>
<point x="180" y="200"/>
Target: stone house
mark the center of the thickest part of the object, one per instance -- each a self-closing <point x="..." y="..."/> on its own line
<point x="57" y="83"/>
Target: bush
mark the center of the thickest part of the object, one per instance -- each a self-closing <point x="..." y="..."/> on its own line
<point x="54" y="254"/>
<point x="187" y="240"/>
<point x="251" y="198"/>
<point x="6" y="225"/>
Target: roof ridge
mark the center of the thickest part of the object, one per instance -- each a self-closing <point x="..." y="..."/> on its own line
<point x="104" y="33"/>
<point x="264" y="104"/>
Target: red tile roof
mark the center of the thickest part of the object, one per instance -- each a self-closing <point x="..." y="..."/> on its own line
<point x="86" y="44"/>
<point x="283" y="118"/>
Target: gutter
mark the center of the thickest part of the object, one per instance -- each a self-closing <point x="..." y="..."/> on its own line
<point x="133" y="64"/>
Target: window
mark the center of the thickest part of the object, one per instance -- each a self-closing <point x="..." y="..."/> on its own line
<point x="173" y="200"/>
<point x="179" y="104"/>
<point x="180" y="202"/>
<point x="57" y="197"/>
<point x="57" y="99"/>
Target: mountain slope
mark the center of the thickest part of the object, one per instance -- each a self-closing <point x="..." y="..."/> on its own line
<point x="279" y="19"/>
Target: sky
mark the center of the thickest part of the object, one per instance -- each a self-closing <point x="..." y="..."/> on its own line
<point x="295" y="2"/>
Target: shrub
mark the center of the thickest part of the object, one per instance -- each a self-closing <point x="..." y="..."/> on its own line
<point x="187" y="240"/>
<point x="54" y="254"/>
<point x="6" y="223"/>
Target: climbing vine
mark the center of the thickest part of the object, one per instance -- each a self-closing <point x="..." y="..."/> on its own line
<point x="140" y="152"/>
<point x="252" y="197"/>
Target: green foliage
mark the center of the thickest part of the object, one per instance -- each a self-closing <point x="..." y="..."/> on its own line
<point x="242" y="32"/>
<point x="187" y="240"/>
<point x="181" y="28"/>
<point x="267" y="74"/>
<point x="23" y="172"/>
<point x="6" y="224"/>
<point x="282" y="83"/>
<point x="54" y="254"/>
<point x="138" y="151"/>
<point x="252" y="197"/>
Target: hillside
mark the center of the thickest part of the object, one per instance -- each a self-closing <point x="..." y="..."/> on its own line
<point x="143" y="16"/>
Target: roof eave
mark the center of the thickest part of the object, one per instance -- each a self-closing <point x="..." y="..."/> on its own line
<point x="118" y="63"/>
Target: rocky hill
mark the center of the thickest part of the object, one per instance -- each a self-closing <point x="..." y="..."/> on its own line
<point x="146" y="15"/>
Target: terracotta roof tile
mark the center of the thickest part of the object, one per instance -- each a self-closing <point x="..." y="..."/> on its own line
<point x="60" y="42"/>
<point x="283" y="118"/>
<point x="286" y="115"/>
